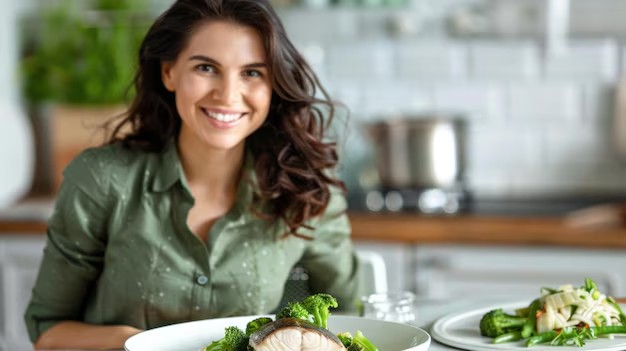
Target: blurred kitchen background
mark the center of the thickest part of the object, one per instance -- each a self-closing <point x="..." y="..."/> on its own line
<point x="528" y="90"/>
<point x="534" y="81"/>
<point x="483" y="142"/>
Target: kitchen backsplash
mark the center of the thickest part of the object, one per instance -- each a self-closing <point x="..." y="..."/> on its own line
<point x="540" y="123"/>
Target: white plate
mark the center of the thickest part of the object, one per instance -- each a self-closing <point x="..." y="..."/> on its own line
<point x="461" y="330"/>
<point x="193" y="336"/>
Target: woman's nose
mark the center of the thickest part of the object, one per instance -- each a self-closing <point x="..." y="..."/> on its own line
<point x="226" y="90"/>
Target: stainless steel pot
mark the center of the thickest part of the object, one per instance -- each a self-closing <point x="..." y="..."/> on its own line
<point x="419" y="151"/>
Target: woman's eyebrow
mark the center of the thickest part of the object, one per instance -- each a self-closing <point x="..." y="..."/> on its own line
<point x="203" y="59"/>
<point x="256" y="65"/>
<point x="214" y="62"/>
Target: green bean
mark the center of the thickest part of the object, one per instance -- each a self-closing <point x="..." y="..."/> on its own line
<point x="590" y="285"/>
<point x="529" y="327"/>
<point x="609" y="329"/>
<point x="508" y="337"/>
<point x="542" y="338"/>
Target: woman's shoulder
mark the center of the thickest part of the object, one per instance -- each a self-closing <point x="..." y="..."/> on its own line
<point x="108" y="166"/>
<point x="337" y="202"/>
<point x="107" y="158"/>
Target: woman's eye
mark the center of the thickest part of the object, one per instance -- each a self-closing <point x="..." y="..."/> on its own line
<point x="253" y="73"/>
<point x="205" y="68"/>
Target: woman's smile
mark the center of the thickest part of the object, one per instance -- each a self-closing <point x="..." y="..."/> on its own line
<point x="223" y="118"/>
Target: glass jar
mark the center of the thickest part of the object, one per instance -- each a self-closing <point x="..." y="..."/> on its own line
<point x="390" y="306"/>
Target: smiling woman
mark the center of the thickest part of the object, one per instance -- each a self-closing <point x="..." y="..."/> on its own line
<point x="223" y="183"/>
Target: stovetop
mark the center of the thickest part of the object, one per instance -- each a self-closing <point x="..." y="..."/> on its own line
<point x="535" y="207"/>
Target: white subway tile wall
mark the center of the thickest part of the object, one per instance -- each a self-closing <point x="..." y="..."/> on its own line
<point x="388" y="99"/>
<point x="584" y="61"/>
<point x="539" y="123"/>
<point x="431" y="61"/>
<point x="500" y="61"/>
<point x="362" y="61"/>
<point x="480" y="102"/>
<point x="598" y="104"/>
<point x="544" y="103"/>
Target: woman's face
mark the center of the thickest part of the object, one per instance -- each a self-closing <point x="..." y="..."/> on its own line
<point x="222" y="85"/>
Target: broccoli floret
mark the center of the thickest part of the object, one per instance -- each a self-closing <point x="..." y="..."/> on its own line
<point x="234" y="340"/>
<point x="495" y="323"/>
<point x="364" y="342"/>
<point x="345" y="338"/>
<point x="358" y="342"/>
<point x="318" y="305"/>
<point x="294" y="310"/>
<point x="256" y="324"/>
<point x="355" y="347"/>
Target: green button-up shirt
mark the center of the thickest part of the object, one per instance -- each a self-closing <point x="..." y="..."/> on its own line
<point x="119" y="250"/>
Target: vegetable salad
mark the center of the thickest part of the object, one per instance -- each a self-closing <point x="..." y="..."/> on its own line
<point x="565" y="316"/>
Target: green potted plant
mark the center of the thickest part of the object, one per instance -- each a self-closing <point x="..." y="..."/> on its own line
<point x="78" y="62"/>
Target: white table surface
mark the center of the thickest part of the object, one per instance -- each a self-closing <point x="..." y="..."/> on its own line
<point x="431" y="310"/>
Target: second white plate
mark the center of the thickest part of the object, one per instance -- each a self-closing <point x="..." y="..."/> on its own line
<point x="461" y="330"/>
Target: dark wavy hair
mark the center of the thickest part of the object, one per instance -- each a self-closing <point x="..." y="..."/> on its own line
<point x="293" y="159"/>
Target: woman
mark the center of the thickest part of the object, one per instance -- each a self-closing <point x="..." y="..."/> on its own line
<point x="222" y="184"/>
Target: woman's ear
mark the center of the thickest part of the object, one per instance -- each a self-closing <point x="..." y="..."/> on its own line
<point x="167" y="76"/>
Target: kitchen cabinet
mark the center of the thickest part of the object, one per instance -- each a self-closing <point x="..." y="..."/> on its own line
<point x="19" y="262"/>
<point x="513" y="272"/>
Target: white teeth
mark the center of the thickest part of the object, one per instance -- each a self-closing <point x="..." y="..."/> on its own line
<point x="223" y="117"/>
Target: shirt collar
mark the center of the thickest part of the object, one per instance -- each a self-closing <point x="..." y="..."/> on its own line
<point x="168" y="169"/>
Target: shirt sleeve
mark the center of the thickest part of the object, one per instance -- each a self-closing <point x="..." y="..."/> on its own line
<point x="73" y="256"/>
<point x="330" y="258"/>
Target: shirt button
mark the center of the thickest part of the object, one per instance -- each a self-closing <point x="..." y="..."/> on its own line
<point x="202" y="279"/>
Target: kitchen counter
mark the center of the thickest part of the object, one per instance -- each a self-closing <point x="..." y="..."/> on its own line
<point x="483" y="229"/>
<point x="480" y="228"/>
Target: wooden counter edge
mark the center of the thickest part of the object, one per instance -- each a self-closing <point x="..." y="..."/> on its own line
<point x="481" y="230"/>
<point x="22" y="227"/>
